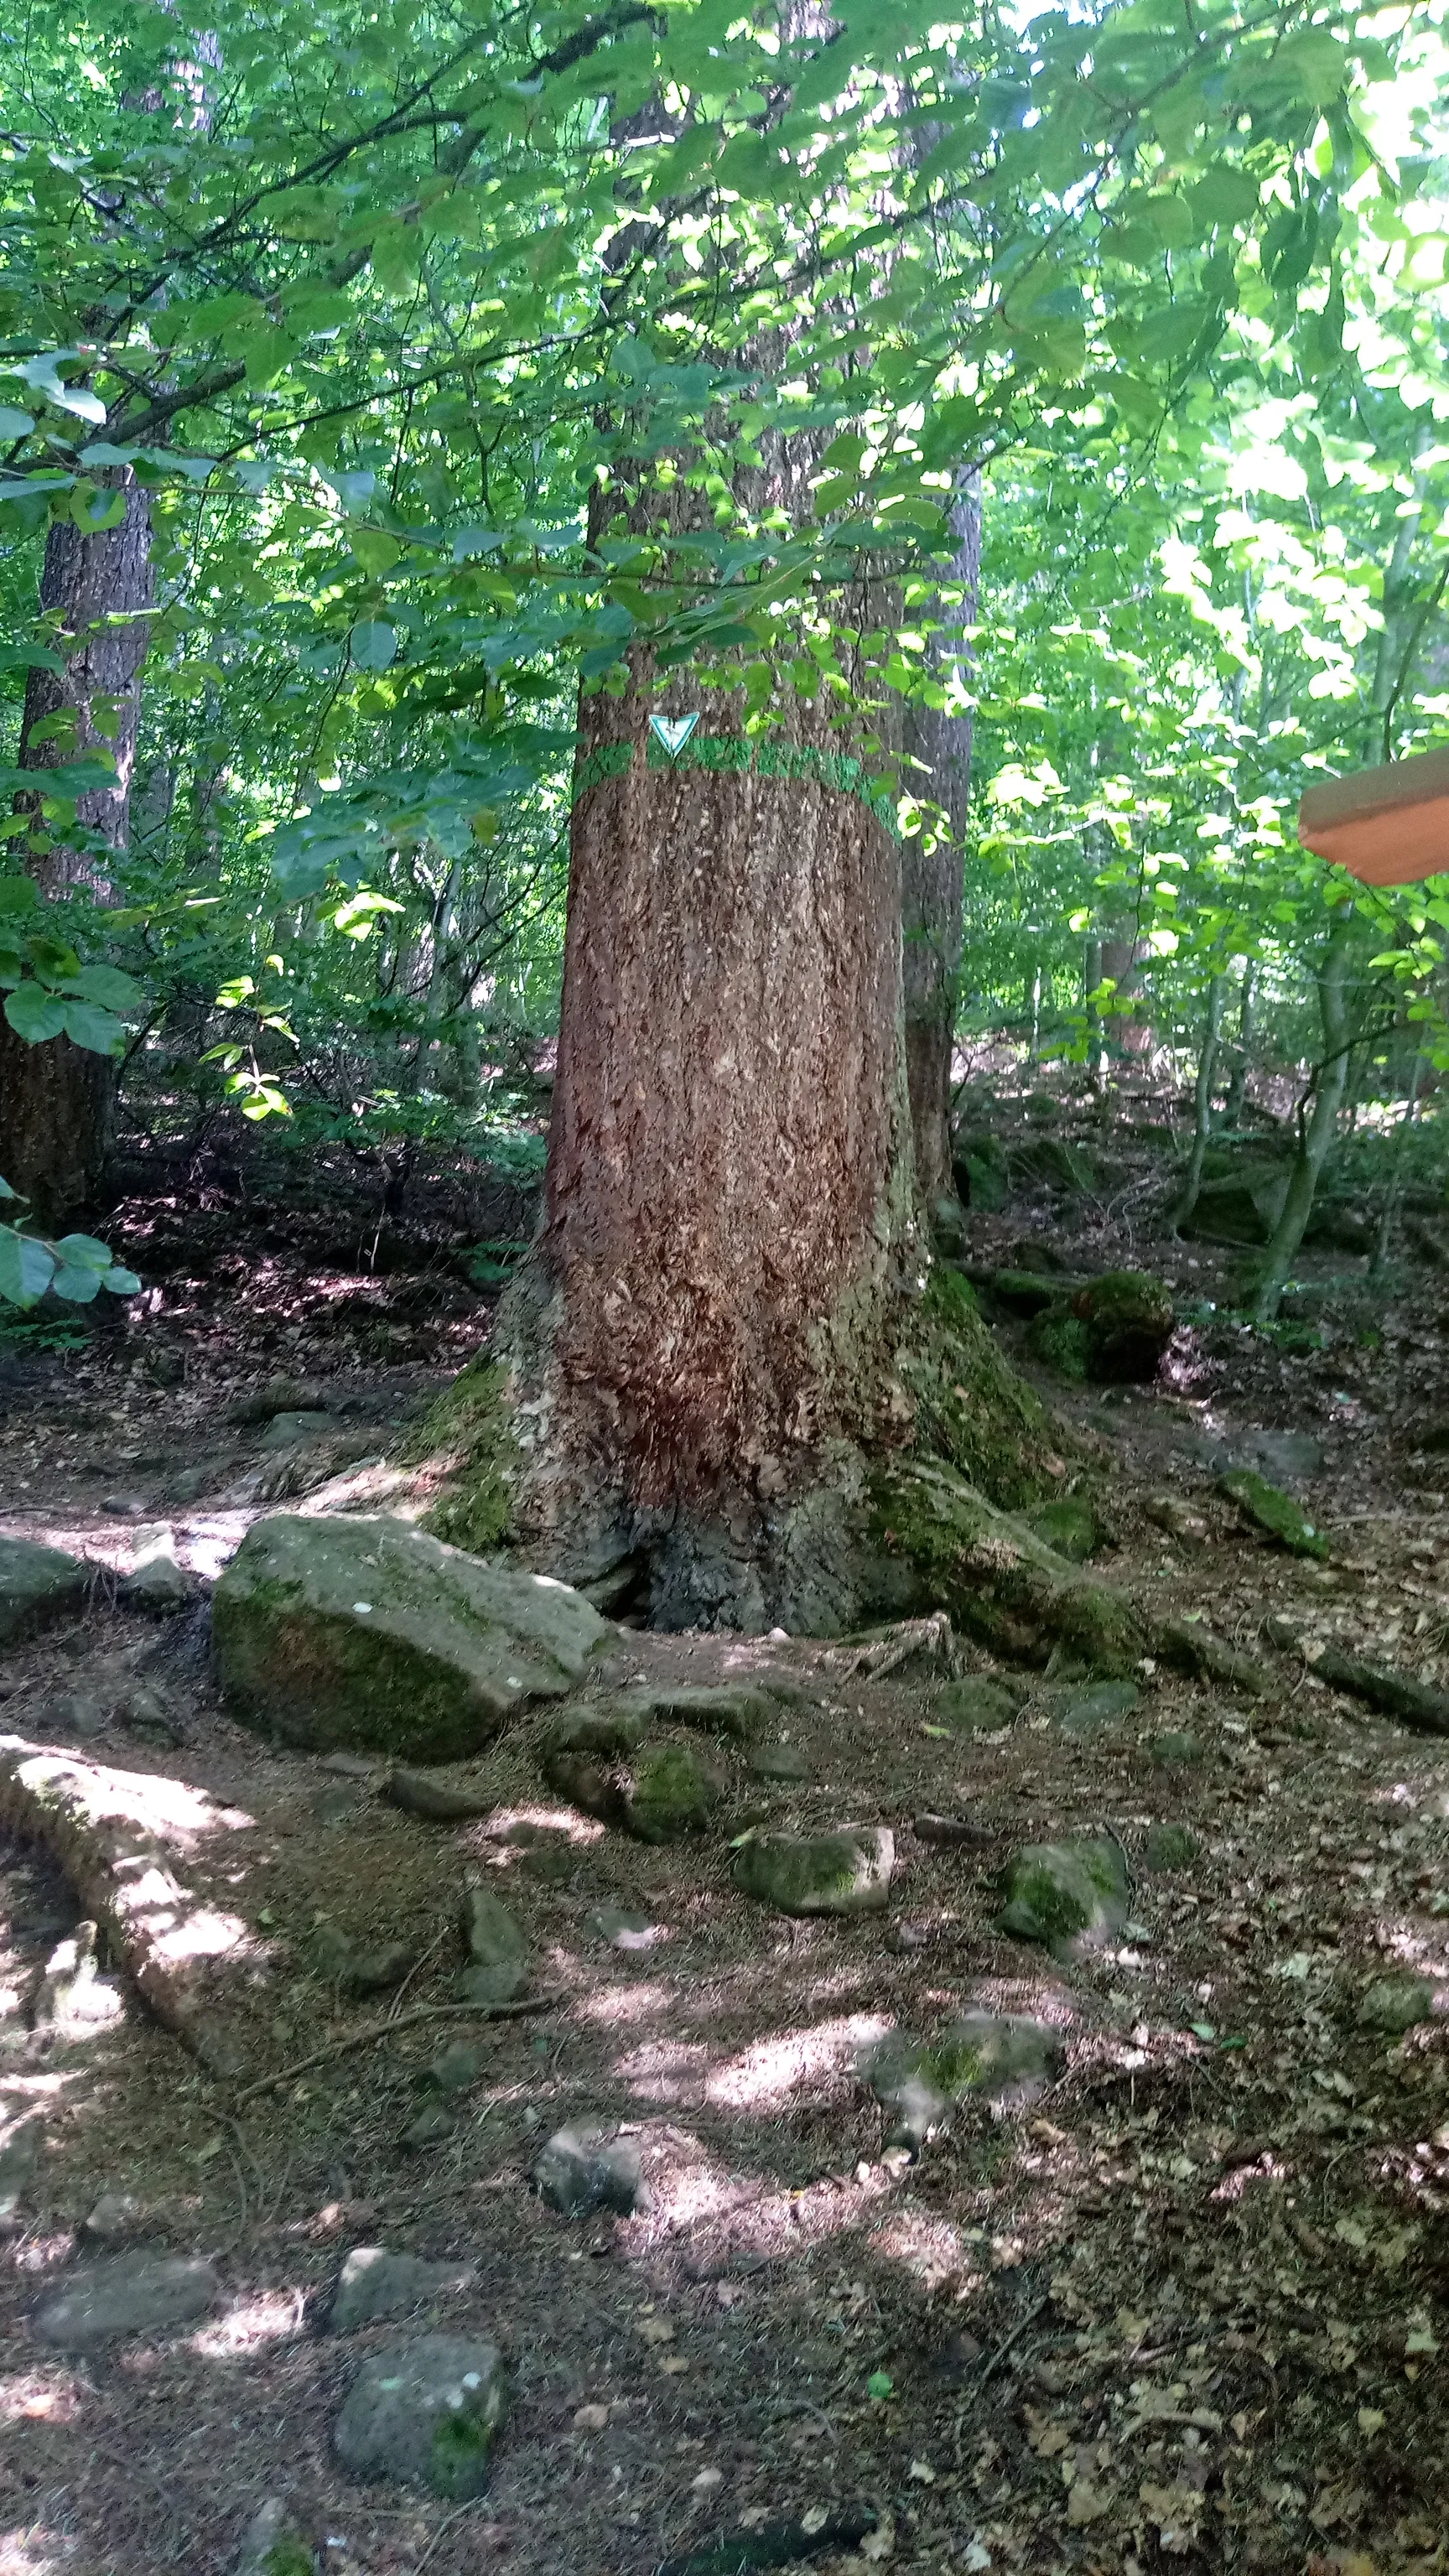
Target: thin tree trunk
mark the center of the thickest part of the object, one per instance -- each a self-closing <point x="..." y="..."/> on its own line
<point x="1316" y="1137"/>
<point x="56" y="1099"/>
<point x="1203" y="1104"/>
<point x="1091" y="980"/>
<point x="1384" y="1232"/>
<point x="931" y="879"/>
<point x="1238" y="1079"/>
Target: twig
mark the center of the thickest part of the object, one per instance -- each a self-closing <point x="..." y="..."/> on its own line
<point x="385" y="2030"/>
<point x="414" y="1971"/>
<point x="444" y="2528"/>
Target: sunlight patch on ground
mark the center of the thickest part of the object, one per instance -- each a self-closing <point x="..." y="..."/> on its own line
<point x="273" y="2316"/>
<point x="931" y="2249"/>
<point x="764" y="2076"/>
<point x="625" y="2003"/>
<point x="666" y="2070"/>
<point x="31" y="2550"/>
<point x="40" y="2397"/>
<point x="150" y="1801"/>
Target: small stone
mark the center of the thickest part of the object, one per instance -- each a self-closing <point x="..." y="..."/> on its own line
<point x="37" y="1585"/>
<point x="1078" y="1711"/>
<point x="349" y="1766"/>
<point x="1395" y="2004"/>
<point x="581" y="2170"/>
<point x="273" y="2546"/>
<point x="1003" y="2059"/>
<point x="1169" y="1847"/>
<point x="374" y="2283"/>
<point x="981" y="1705"/>
<point x="442" y="1802"/>
<point x="1178" y="1519"/>
<point x="128" y="2295"/>
<point x="158" y="1581"/>
<point x="359" y="1970"/>
<point x="287" y="1430"/>
<point x="458" y="2066"/>
<point x="333" y="1807"/>
<point x="720" y="1708"/>
<point x="429" y="2129"/>
<point x="426" y="2413"/>
<point x="625" y="1931"/>
<point x="658" y="1790"/>
<point x="782" y="1761"/>
<point x="848" y="1872"/>
<point x="496" y="1947"/>
<point x="1275" y="1512"/>
<point x="116" y="2215"/>
<point x="1070" y="1895"/>
<point x="1174" y="1751"/>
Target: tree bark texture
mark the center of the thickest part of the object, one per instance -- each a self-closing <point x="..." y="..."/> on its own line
<point x="931" y="879"/>
<point x="729" y="1201"/>
<point x="56" y="1099"/>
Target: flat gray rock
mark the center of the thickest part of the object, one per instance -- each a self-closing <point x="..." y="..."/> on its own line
<point x="426" y="2413"/>
<point x="1079" y="1707"/>
<point x="158" y="1581"/>
<point x="365" y="1633"/>
<point x="1169" y="1847"/>
<point x="847" y="1872"/>
<point x="374" y="2283"/>
<point x="37" y="1584"/>
<point x="583" y="2169"/>
<point x="497" y="1949"/>
<point x="1071" y="1895"/>
<point x="272" y="2544"/>
<point x="783" y="1761"/>
<point x="720" y="1708"/>
<point x="979" y="1705"/>
<point x="1396" y="2003"/>
<point x="102" y="2303"/>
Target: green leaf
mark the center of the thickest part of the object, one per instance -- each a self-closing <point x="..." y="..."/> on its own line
<point x="25" y="1267"/>
<point x="77" y="1287"/>
<point x="18" y="894"/>
<point x="374" y="643"/>
<point x="107" y="986"/>
<point x="880" y="2386"/>
<point x="98" y="1031"/>
<point x="6" y="1191"/>
<point x="14" y="424"/>
<point x="82" y="1251"/>
<point x="121" y="1283"/>
<point x="375" y="550"/>
<point x="34" y="1014"/>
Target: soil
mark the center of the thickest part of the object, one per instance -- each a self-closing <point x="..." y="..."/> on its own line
<point x="1186" y="2309"/>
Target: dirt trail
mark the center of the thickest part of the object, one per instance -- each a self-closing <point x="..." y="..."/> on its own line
<point x="1185" y="2309"/>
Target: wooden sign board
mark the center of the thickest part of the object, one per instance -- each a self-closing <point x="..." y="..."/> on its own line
<point x="1387" y="826"/>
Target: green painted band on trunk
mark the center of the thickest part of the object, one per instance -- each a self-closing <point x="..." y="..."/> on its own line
<point x="839" y="770"/>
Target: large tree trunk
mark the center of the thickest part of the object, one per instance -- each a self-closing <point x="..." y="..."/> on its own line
<point x="730" y="1208"/>
<point x="57" y="1099"/>
<point x="931" y="889"/>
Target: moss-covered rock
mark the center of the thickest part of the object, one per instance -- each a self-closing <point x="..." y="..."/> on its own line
<point x="367" y="1634"/>
<point x="982" y="1704"/>
<point x="1002" y="2060"/>
<point x="1396" y="2003"/>
<point x="470" y="1431"/>
<point x="1174" y="1750"/>
<point x="1274" y="1511"/>
<point x="992" y="1574"/>
<point x="1080" y="1709"/>
<point x="427" y="2413"/>
<point x="1068" y="1526"/>
<point x="1169" y="1847"/>
<point x="608" y="1762"/>
<point x="979" y="1168"/>
<point x="848" y="1872"/>
<point x="37" y="1585"/>
<point x="1058" y="1338"/>
<point x="1070" y="1896"/>
<point x="734" y="1709"/>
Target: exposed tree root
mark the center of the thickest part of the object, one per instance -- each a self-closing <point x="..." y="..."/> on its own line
<point x="108" y="1831"/>
<point x="385" y="2029"/>
<point x="995" y="1578"/>
<point x="1414" y="1704"/>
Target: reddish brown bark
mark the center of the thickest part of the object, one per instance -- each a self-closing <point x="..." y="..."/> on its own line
<point x="728" y="1188"/>
<point x="56" y="1099"/>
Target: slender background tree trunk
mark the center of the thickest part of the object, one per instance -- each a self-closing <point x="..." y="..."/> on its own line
<point x="931" y="879"/>
<point x="1316" y="1138"/>
<point x="57" y="1099"/>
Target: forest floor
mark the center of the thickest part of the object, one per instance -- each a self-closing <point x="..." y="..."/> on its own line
<point x="1187" y="2309"/>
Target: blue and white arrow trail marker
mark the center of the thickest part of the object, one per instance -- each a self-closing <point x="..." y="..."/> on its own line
<point x="673" y="731"/>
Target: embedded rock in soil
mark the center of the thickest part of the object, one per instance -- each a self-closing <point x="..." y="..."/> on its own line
<point x="782" y="1761"/>
<point x="37" y="1584"/>
<point x="624" y="1930"/>
<point x="127" y="2295"/>
<point x="1174" y="1751"/>
<point x="1068" y="1527"/>
<point x="582" y="2169"/>
<point x="458" y="2066"/>
<point x="1292" y="1455"/>
<point x="848" y="1872"/>
<point x="158" y="1581"/>
<point x="497" y="1949"/>
<point x="289" y="1430"/>
<point x="374" y="2283"/>
<point x="426" y="2413"/>
<point x="1114" y="1331"/>
<point x="429" y="2129"/>
<point x="273" y="2545"/>
<point x="725" y="1708"/>
<point x="367" y="1632"/>
<point x="442" y="1802"/>
<point x="18" y="2159"/>
<point x="980" y="1705"/>
<point x="1078" y="1711"/>
<point x="1003" y="2059"/>
<point x="361" y="1970"/>
<point x="658" y="1790"/>
<point x="116" y="2215"/>
<point x="1169" y="1847"/>
<point x="1275" y="1512"/>
<point x="1395" y="2004"/>
<point x="1067" y="1895"/>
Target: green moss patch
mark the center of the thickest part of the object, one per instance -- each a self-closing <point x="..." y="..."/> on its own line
<point x="470" y="1428"/>
<point x="1275" y="1512"/>
<point x="971" y="1408"/>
